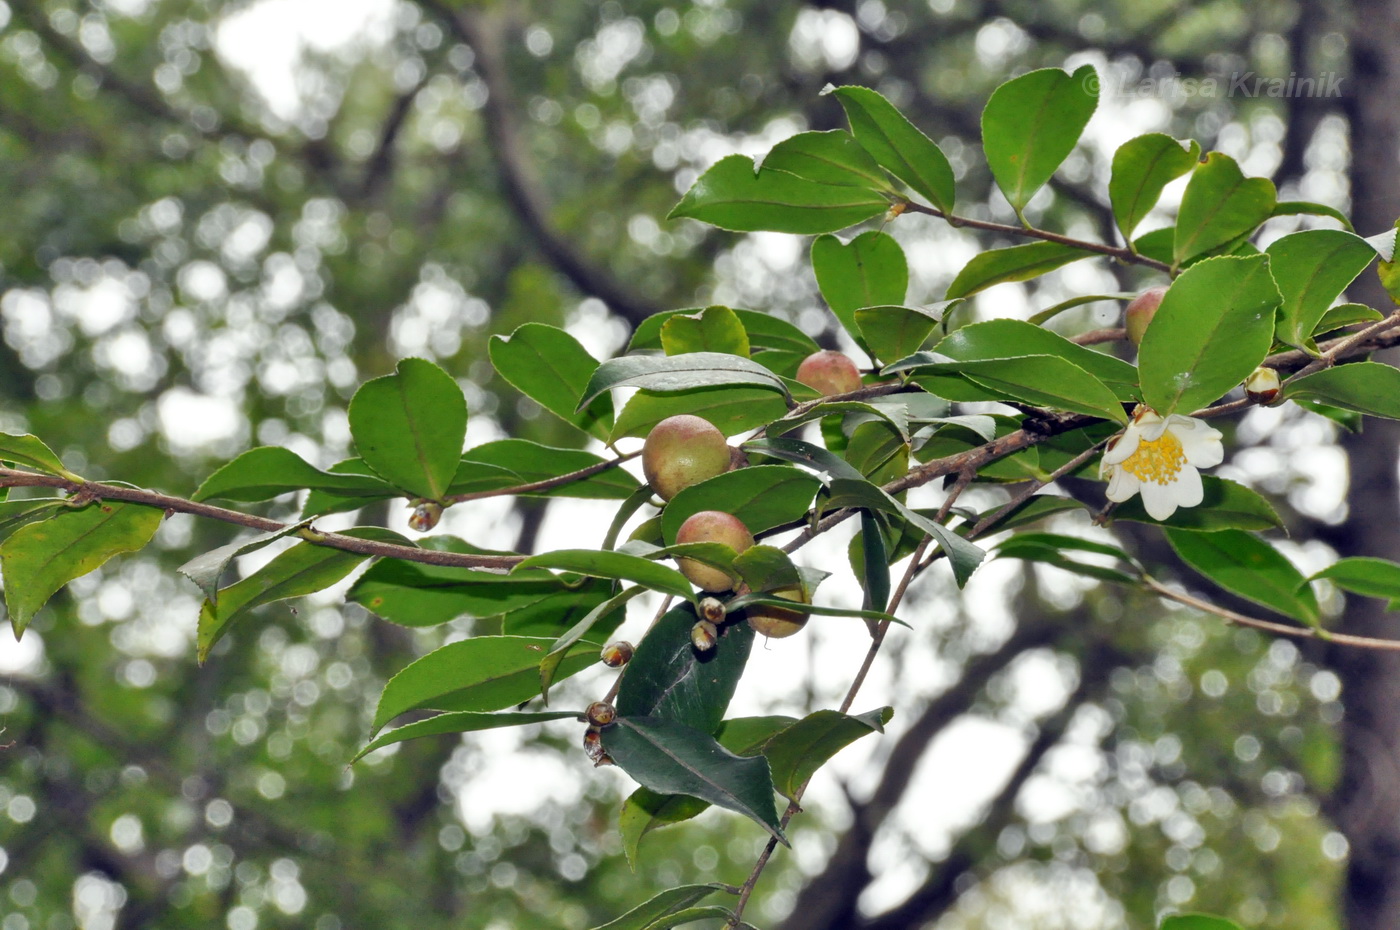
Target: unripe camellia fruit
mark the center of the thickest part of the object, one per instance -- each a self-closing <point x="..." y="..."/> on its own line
<point x="829" y="372"/>
<point x="681" y="451"/>
<point x="777" y="622"/>
<point x="711" y="526"/>
<point x="1140" y="312"/>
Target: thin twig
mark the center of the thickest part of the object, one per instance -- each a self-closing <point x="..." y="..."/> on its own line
<point x="547" y="484"/>
<point x="1338" y="348"/>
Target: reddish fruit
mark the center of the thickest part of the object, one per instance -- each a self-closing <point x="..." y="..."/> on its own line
<point x="711" y="526"/>
<point x="681" y="451"/>
<point x="777" y="622"/>
<point x="829" y="372"/>
<point x="1140" y="312"/>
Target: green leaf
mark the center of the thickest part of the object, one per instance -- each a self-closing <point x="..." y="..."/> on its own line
<point x="680" y="373"/>
<point x="1345" y="315"/>
<point x="1031" y="124"/>
<point x="714" y="329"/>
<point x="1219" y="205"/>
<point x="878" y="452"/>
<point x="206" y="570"/>
<point x="1142" y="167"/>
<point x="1312" y="268"/>
<point x="268" y="471"/>
<point x="303" y="569"/>
<point x="1368" y="387"/>
<point x="1225" y="505"/>
<point x="804" y="453"/>
<point x="484" y="673"/>
<point x="1041" y="317"/>
<point x="963" y="556"/>
<point x="1042" y="380"/>
<point x="868" y="271"/>
<point x="874" y="567"/>
<point x="1367" y="576"/>
<point x="796" y="753"/>
<point x="1017" y="263"/>
<point x="526" y="462"/>
<point x="894" y="332"/>
<point x="668" y="902"/>
<point x="409" y="427"/>
<point x="668" y="678"/>
<point x="31" y="452"/>
<point x="895" y="415"/>
<point x="765" y="331"/>
<point x="552" y="368"/>
<point x="831" y="157"/>
<point x="767" y="568"/>
<point x="763" y="496"/>
<point x="1005" y="338"/>
<point x="1214" y="327"/>
<point x="671" y="758"/>
<point x="612" y="611"/>
<point x="1306" y="207"/>
<point x="731" y="409"/>
<point x="600" y="563"/>
<point x="554" y="613"/>
<point x="1248" y="566"/>
<point x="1198" y="922"/>
<point x="898" y="145"/>
<point x="39" y="558"/>
<point x="732" y="195"/>
<point x="1033" y="510"/>
<point x="461" y="722"/>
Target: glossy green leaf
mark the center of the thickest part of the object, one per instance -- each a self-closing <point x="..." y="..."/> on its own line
<point x="600" y="563"/>
<point x="206" y="570"/>
<point x="731" y="409"/>
<point x="732" y="195"/>
<point x="461" y="722"/>
<point x="409" y="427"/>
<point x="612" y="612"/>
<point x="528" y="462"/>
<point x="895" y="415"/>
<point x="1030" y="125"/>
<point x="1142" y="167"/>
<point x="1034" y="510"/>
<point x="552" y="368"/>
<point x="1017" y="263"/>
<point x="1365" y="575"/>
<point x="484" y="673"/>
<point x="643" y="916"/>
<point x="670" y="757"/>
<point x="668" y="678"/>
<point x="830" y="157"/>
<point x="868" y="271"/>
<point x="303" y="569"/>
<point x="1345" y="315"/>
<point x="1214" y="326"/>
<point x="898" y="145"/>
<point x="39" y="558"/>
<point x="963" y="556"/>
<point x="1005" y="338"/>
<point x="31" y="452"/>
<point x="1367" y="387"/>
<point x="1041" y="380"/>
<point x="1308" y="208"/>
<point x="680" y="373"/>
<point x="891" y="332"/>
<point x="1219" y="205"/>
<point x="1042" y="317"/>
<point x="268" y="471"/>
<point x="555" y="613"/>
<point x="767" y="568"/>
<point x="714" y="329"/>
<point x="796" y="753"/>
<point x="1312" y="268"/>
<point x="1248" y="566"/>
<point x="1225" y="505"/>
<point x="1054" y="549"/>
<point x="878" y="452"/>
<point x="800" y="452"/>
<point x="763" y="496"/>
<point x="765" y="331"/>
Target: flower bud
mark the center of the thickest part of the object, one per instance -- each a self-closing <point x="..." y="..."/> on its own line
<point x="601" y="713"/>
<point x="1140" y="312"/>
<point x="711" y="609"/>
<point x="1262" y="385"/>
<point x="425" y="516"/>
<point x="703" y="636"/>
<point x="618" y="654"/>
<point x="593" y="747"/>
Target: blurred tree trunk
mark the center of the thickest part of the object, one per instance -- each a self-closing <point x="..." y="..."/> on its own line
<point x="1366" y="806"/>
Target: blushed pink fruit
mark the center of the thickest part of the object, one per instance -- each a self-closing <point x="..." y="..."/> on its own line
<point x="1140" y="312"/>
<point x="777" y="622"/>
<point x="711" y="526"/>
<point x="829" y="373"/>
<point x="681" y="451"/>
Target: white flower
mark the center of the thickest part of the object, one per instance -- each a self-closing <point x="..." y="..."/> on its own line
<point x="1159" y="457"/>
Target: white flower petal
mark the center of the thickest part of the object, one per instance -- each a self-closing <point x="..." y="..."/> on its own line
<point x="1122" y="485"/>
<point x="1125" y="446"/>
<point x="1187" y="488"/>
<point x="1158" y="500"/>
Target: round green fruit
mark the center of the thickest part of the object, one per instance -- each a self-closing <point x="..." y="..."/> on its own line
<point x="777" y="622"/>
<point x="829" y="373"/>
<point x="681" y="451"/>
<point x="711" y="526"/>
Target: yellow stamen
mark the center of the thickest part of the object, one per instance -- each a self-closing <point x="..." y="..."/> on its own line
<point x="1158" y="461"/>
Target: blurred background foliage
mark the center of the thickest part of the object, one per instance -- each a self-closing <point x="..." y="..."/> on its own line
<point x="220" y="217"/>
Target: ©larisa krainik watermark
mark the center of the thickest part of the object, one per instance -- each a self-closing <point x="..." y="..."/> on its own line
<point x="1235" y="84"/>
